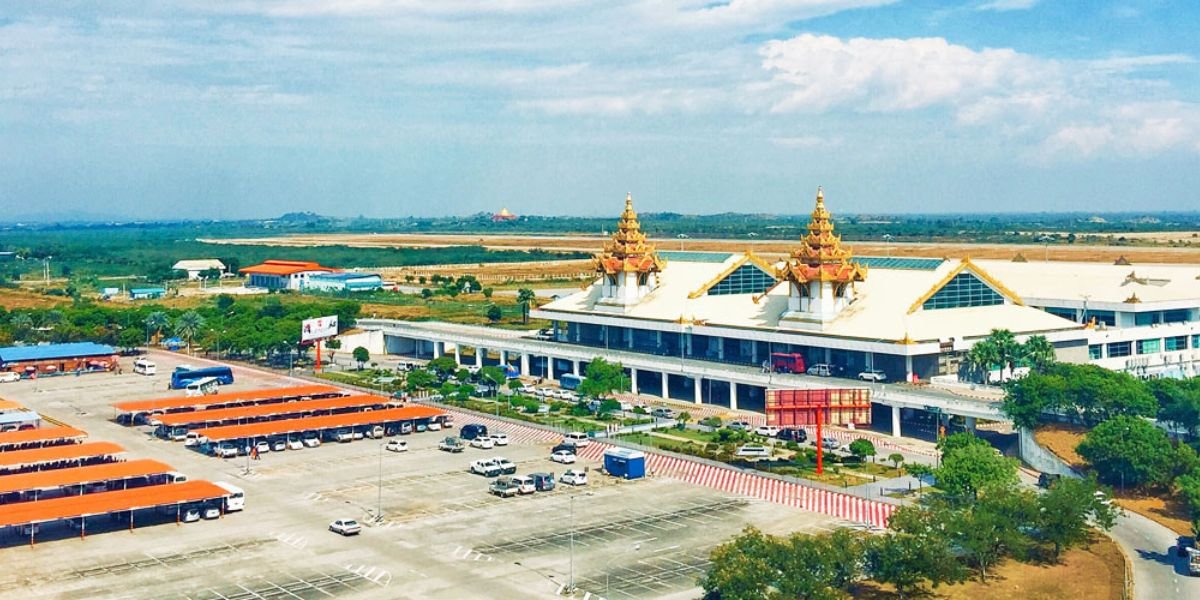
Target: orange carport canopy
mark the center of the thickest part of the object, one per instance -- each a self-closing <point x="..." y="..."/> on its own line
<point x="221" y="415"/>
<point x="249" y="396"/>
<point x="103" y="503"/>
<point x="286" y="426"/>
<point x="50" y="454"/>
<point x="45" y="434"/>
<point x="56" y="478"/>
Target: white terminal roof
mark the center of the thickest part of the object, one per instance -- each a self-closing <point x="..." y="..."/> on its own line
<point x="1100" y="283"/>
<point x="886" y="305"/>
<point x="199" y="264"/>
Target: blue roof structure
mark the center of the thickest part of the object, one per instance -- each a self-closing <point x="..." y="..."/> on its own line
<point x="54" y="351"/>
<point x="342" y="276"/>
<point x="148" y="290"/>
<point x="899" y="262"/>
<point x="696" y="257"/>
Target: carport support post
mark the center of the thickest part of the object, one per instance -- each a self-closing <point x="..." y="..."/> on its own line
<point x="633" y="389"/>
<point x="479" y="356"/>
<point x="733" y="390"/>
<point x="896" y="421"/>
<point x="525" y="364"/>
<point x="666" y="382"/>
<point x="696" y="392"/>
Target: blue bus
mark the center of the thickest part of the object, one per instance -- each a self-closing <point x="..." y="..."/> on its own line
<point x="569" y="381"/>
<point x="185" y="375"/>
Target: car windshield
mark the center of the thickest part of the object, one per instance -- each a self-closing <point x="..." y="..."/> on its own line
<point x="349" y="523"/>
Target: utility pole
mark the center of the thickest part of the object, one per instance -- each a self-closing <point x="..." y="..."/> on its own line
<point x="571" y="577"/>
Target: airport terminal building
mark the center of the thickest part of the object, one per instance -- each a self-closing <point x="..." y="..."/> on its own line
<point x="912" y="318"/>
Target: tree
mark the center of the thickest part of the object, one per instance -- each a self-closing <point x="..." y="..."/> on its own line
<point x="1132" y="451"/>
<point x="224" y="302"/>
<point x="1037" y="353"/>
<point x="607" y="407"/>
<point x="22" y="325"/>
<point x="515" y="384"/>
<point x="1189" y="489"/>
<point x="896" y="458"/>
<point x="487" y="292"/>
<point x="213" y="273"/>
<point x="1068" y="509"/>
<point x="494" y="313"/>
<point x="419" y="379"/>
<point x="188" y="326"/>
<point x="970" y="465"/>
<point x="862" y="448"/>
<point x="906" y="561"/>
<point x="444" y="365"/>
<point x="156" y="322"/>
<point x="604" y="378"/>
<point x="1088" y="394"/>
<point x="1179" y="402"/>
<point x="361" y="356"/>
<point x="741" y="568"/>
<point x="987" y="530"/>
<point x="682" y="419"/>
<point x="492" y="375"/>
<point x="129" y="339"/>
<point x="426" y="293"/>
<point x="332" y="345"/>
<point x="524" y="297"/>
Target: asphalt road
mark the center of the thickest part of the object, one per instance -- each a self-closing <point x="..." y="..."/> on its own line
<point x="1157" y="572"/>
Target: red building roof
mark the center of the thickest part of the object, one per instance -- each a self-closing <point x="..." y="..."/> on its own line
<point x="109" y="502"/>
<point x="285" y="267"/>
<point x="244" y="397"/>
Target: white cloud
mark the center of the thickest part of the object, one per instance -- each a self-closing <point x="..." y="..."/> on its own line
<point x="1007" y="5"/>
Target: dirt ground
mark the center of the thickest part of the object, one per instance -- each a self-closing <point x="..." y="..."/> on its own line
<point x="12" y="298"/>
<point x="764" y="247"/>
<point x="1061" y="440"/>
<point x="1093" y="573"/>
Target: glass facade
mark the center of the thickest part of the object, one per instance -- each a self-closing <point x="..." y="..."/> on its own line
<point x="962" y="291"/>
<point x="746" y="279"/>
<point x="1095" y="352"/>
<point x="1179" y="342"/>
<point x="1107" y="317"/>
<point x="1196" y="341"/>
<point x="1155" y="317"/>
<point x="1066" y="313"/>
<point x="1149" y="346"/>
<point x="1119" y="349"/>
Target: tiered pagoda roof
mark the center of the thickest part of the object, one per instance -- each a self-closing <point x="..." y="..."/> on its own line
<point x="627" y="250"/>
<point x="821" y="256"/>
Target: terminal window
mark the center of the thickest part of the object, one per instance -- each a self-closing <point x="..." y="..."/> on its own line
<point x="1179" y="342"/>
<point x="1095" y="352"/>
<point x="963" y="291"/>
<point x="1119" y="349"/>
<point x="1149" y="346"/>
<point x="746" y="279"/>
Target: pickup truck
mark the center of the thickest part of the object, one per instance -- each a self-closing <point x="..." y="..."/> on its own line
<point x="451" y="444"/>
<point x="486" y="467"/>
<point x="504" y="487"/>
<point x="1187" y="548"/>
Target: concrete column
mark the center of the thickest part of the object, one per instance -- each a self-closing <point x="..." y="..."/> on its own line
<point x="633" y="380"/>
<point x="479" y="356"/>
<point x="550" y="368"/>
<point x="457" y="354"/>
<point x="828" y="355"/>
<point x="666" y="389"/>
<point x="628" y="337"/>
<point x="895" y="421"/>
<point x="733" y="389"/>
<point x="575" y="367"/>
<point x="720" y="348"/>
<point x="525" y="364"/>
<point x="437" y="349"/>
<point x="687" y="344"/>
<point x="908" y="368"/>
<point x="754" y="352"/>
<point x="969" y="422"/>
<point x="698" y="383"/>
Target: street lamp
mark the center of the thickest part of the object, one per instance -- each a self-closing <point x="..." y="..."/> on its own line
<point x="887" y="243"/>
<point x="1045" y="240"/>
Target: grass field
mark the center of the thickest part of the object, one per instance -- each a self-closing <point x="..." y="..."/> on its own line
<point x="13" y="298"/>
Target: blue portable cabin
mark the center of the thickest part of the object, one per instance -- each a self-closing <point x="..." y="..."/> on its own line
<point x="625" y="463"/>
<point x="147" y="293"/>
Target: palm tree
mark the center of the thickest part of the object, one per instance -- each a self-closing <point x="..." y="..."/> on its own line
<point x="1037" y="352"/>
<point x="188" y="326"/>
<point x="1008" y="349"/>
<point x="156" y="322"/>
<point x="22" y="325"/>
<point x="525" y="296"/>
<point x="979" y="361"/>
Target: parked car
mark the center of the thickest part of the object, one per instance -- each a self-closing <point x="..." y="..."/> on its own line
<point x="396" y="446"/>
<point x="483" y="442"/>
<point x="662" y="413"/>
<point x="486" y="467"/>
<point x="451" y="444"/>
<point x="820" y="370"/>
<point x="565" y="446"/>
<point x="311" y="440"/>
<point x="542" y="482"/>
<point x="225" y="450"/>
<point x="421" y="427"/>
<point x="472" y="431"/>
<point x="1045" y="480"/>
<point x="564" y="457"/>
<point x="528" y="389"/>
<point x="578" y="438"/>
<point x="767" y="430"/>
<point x="345" y="527"/>
<point x="626" y="406"/>
<point x="9" y="377"/>
<point x="753" y="451"/>
<point x="406" y="428"/>
<point x="263" y="447"/>
<point x="504" y="487"/>
<point x="739" y="425"/>
<point x="434" y="426"/>
<point x="792" y="434"/>
<point x="874" y="375"/>
<point x="499" y="438"/>
<point x="190" y="515"/>
<point x="830" y="443"/>
<point x="211" y="512"/>
<point x="574" y="477"/>
<point x="279" y="445"/>
<point x="376" y="432"/>
<point x="507" y="467"/>
<point x="194" y="438"/>
<point x="525" y="484"/>
<point x="344" y="436"/>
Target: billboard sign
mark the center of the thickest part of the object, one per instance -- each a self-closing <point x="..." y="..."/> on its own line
<point x="318" y="328"/>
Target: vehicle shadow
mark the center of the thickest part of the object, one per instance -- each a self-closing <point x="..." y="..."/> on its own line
<point x="1165" y="558"/>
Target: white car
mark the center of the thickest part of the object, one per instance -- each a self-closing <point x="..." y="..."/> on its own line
<point x="767" y="431"/>
<point x="397" y="446"/>
<point x="345" y="527"/>
<point x="295" y="444"/>
<point x="578" y="438"/>
<point x="191" y="515"/>
<point x="194" y="438"/>
<point x="499" y="438"/>
<point x="9" y="377"/>
<point x="524" y="484"/>
<point x="263" y="447"/>
<point x="528" y="389"/>
<point x="486" y="467"/>
<point x="211" y="512"/>
<point x="573" y="477"/>
<point x="874" y="375"/>
<point x="483" y="442"/>
<point x="311" y="441"/>
<point x="564" y="457"/>
<point x="434" y="426"/>
<point x="626" y="406"/>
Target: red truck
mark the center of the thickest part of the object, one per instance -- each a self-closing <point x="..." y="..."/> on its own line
<point x="787" y="363"/>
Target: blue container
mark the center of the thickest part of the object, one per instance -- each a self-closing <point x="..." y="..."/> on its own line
<point x="625" y="463"/>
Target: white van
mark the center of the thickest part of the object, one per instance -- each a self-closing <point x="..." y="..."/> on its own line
<point x="236" y="498"/>
<point x="578" y="438"/>
<point x="9" y="377"/>
<point x="202" y="387"/>
<point x="145" y="366"/>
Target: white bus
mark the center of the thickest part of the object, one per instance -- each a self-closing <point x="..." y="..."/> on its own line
<point x="202" y="387"/>
<point x="145" y="366"/>
<point x="236" y="500"/>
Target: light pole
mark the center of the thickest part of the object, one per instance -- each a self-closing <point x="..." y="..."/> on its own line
<point x="571" y="576"/>
<point x="379" y="493"/>
<point x="1045" y="240"/>
<point x="887" y="243"/>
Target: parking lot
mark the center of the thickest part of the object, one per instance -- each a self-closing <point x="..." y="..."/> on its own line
<point x="439" y="533"/>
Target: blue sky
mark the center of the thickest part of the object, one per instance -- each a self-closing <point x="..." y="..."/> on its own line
<point x="252" y="108"/>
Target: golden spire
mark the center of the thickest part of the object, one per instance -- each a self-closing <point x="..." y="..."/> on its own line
<point x="627" y="249"/>
<point x="820" y="255"/>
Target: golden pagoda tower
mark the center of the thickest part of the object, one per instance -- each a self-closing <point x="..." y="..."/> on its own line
<point x="628" y="266"/>
<point x="820" y="274"/>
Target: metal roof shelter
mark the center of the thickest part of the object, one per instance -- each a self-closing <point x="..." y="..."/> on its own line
<point x="56" y="478"/>
<point x="54" y="351"/>
<point x="289" y="426"/>
<point x="176" y="403"/>
<point x="33" y="438"/>
<point x="102" y="503"/>
<point x="215" y="417"/>
<point x="19" y="417"/>
<point x="37" y="457"/>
